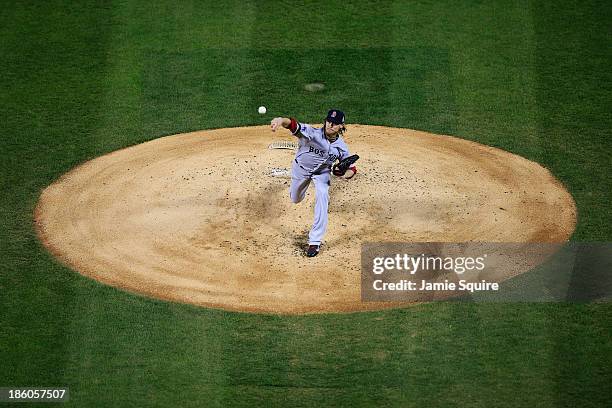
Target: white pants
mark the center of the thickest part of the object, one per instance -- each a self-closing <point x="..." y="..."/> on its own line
<point x="300" y="180"/>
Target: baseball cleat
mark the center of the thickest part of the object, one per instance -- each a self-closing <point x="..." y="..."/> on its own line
<point x="313" y="250"/>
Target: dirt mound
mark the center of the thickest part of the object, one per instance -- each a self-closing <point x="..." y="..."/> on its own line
<point x="198" y="217"/>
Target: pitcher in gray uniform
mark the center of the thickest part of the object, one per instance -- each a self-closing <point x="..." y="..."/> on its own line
<point x="318" y="149"/>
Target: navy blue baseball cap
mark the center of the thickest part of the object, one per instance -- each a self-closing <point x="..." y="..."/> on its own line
<point x="335" y="116"/>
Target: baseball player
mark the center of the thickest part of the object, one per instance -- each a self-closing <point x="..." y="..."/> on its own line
<point x="318" y="149"/>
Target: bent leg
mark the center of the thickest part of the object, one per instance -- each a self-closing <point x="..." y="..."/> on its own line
<point x="300" y="180"/>
<point x="297" y="190"/>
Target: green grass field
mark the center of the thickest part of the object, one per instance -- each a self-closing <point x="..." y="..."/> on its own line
<point x="81" y="79"/>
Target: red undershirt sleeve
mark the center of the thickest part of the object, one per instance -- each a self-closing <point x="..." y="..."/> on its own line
<point x="293" y="126"/>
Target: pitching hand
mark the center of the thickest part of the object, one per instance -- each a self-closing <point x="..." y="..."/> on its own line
<point x="275" y="123"/>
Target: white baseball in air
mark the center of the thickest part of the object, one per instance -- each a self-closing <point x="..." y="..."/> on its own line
<point x="262" y="110"/>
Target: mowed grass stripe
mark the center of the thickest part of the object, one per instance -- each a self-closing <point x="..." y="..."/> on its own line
<point x="52" y="59"/>
<point x="574" y="94"/>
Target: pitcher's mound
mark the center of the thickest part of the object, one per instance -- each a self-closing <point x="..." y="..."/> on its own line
<point x="198" y="218"/>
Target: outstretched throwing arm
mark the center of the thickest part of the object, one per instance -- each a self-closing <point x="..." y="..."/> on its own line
<point x="287" y="123"/>
<point x="276" y="122"/>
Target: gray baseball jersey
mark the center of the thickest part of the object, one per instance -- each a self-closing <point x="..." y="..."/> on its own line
<point x="315" y="153"/>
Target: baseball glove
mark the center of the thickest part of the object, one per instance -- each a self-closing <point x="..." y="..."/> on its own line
<point x="343" y="165"/>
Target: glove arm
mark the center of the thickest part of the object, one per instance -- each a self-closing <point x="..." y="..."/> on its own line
<point x="341" y="167"/>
